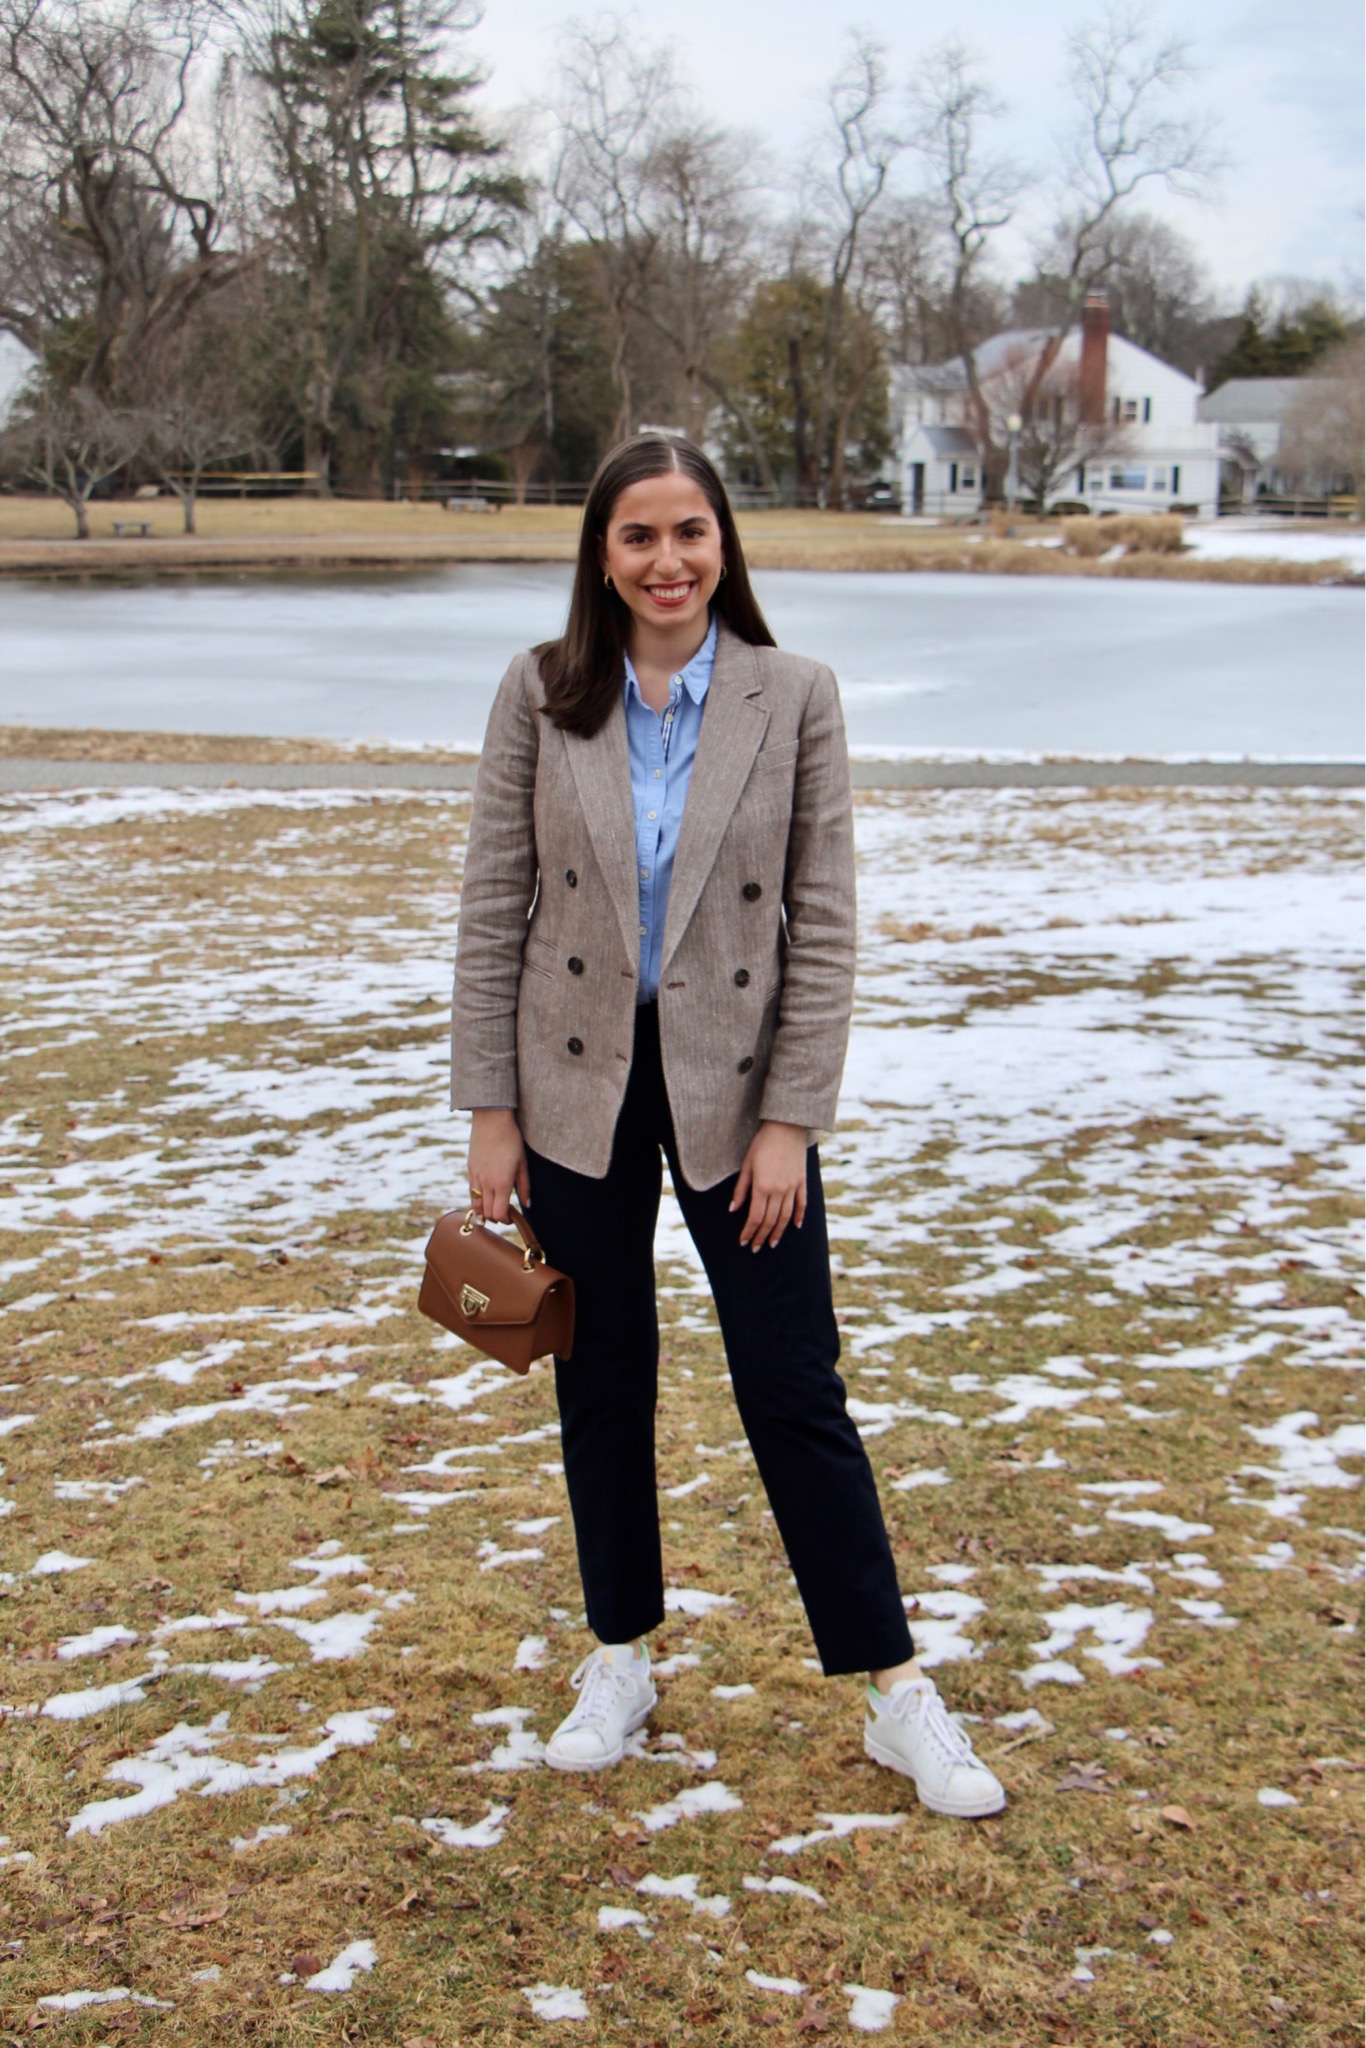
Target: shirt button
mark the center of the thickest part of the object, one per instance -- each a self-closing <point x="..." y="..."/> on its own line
<point x="752" y="891"/>
<point x="741" y="977"/>
<point x="571" y="878"/>
<point x="574" y="964"/>
<point x="645" y="874"/>
<point x="651" y="814"/>
<point x="642" y="931"/>
<point x="746" y="1063"/>
<point x="658" y="773"/>
<point x="575" y="1045"/>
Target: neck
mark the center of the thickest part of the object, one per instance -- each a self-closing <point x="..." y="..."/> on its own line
<point x="655" y="650"/>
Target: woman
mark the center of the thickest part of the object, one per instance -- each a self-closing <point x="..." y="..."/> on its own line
<point x="656" y="953"/>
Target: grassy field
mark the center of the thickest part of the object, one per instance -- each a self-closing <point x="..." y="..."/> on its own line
<point x="36" y="536"/>
<point x="289" y="1590"/>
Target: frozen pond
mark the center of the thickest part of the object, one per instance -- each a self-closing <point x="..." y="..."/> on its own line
<point x="940" y="663"/>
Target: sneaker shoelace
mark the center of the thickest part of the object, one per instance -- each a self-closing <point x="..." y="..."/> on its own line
<point x="597" y="1683"/>
<point x="930" y="1717"/>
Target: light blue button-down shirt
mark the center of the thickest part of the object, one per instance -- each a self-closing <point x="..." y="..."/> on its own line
<point x="662" y="747"/>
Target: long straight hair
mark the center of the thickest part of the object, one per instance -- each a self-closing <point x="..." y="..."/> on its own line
<point x="583" y="670"/>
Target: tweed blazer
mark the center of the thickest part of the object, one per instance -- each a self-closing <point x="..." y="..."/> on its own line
<point x="756" y="991"/>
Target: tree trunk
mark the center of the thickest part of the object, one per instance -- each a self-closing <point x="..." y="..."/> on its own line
<point x="187" y="507"/>
<point x="78" y="506"/>
<point x="800" y="454"/>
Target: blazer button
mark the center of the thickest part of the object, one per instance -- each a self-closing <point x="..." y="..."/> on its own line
<point x="741" y="977"/>
<point x="751" y="892"/>
<point x="575" y="1044"/>
<point x="574" y="964"/>
<point x="746" y="1063"/>
<point x="571" y="878"/>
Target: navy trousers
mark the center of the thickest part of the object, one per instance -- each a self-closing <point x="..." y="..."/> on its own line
<point x="778" y="1323"/>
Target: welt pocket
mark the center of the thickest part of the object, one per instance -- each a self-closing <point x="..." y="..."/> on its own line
<point x="530" y="965"/>
<point x="777" y="757"/>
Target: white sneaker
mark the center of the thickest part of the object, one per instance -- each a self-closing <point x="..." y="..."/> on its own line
<point x="909" y="1730"/>
<point x="615" y="1698"/>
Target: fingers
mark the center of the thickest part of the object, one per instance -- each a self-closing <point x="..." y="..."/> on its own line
<point x="523" y="1183"/>
<point x="742" y="1181"/>
<point x="770" y="1212"/>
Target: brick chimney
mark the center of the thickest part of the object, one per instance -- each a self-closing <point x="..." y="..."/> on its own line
<point x="1095" y="338"/>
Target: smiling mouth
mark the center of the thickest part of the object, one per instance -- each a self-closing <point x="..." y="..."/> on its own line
<point x="669" y="593"/>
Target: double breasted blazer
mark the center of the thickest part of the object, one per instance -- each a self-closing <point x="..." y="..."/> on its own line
<point x="756" y="990"/>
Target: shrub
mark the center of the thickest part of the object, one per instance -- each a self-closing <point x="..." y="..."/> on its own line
<point x="1086" y="537"/>
<point x="1137" y="533"/>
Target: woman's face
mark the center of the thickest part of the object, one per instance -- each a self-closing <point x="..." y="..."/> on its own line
<point x="662" y="550"/>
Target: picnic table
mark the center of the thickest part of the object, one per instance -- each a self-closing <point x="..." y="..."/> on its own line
<point x="140" y="527"/>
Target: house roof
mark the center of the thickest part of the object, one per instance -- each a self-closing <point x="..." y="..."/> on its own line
<point x="1018" y="345"/>
<point x="948" y="440"/>
<point x="1249" y="401"/>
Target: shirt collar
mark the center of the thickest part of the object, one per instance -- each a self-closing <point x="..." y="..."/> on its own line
<point x="695" y="677"/>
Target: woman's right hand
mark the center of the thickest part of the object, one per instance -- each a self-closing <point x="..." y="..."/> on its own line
<point x="497" y="1165"/>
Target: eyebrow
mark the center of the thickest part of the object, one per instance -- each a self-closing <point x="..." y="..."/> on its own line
<point x="644" y="526"/>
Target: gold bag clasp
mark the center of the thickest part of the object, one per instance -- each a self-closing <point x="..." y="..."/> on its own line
<point x="472" y="1302"/>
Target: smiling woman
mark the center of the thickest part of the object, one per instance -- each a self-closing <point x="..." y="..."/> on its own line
<point x="658" y="553"/>
<point x="656" y="957"/>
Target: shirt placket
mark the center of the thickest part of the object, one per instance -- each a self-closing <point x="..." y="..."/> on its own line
<point x="660" y="731"/>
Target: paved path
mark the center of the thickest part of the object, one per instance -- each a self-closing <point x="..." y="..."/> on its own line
<point x="25" y="775"/>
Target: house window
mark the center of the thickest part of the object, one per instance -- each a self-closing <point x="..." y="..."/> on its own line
<point x="953" y="476"/>
<point x="1130" y="411"/>
<point x="1097" y="479"/>
<point x="1128" y="479"/>
<point x="1147" y="411"/>
<point x="1159" y="482"/>
<point x="969" y="477"/>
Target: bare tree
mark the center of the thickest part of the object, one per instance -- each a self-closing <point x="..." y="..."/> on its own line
<point x="1159" y="290"/>
<point x="191" y="413"/>
<point x="1133" y="128"/>
<point x="617" y="102"/>
<point x="1059" y="431"/>
<point x="845" y="197"/>
<point x="109" y="219"/>
<point x="971" y="190"/>
<point x="69" y="441"/>
<point x="1322" y="441"/>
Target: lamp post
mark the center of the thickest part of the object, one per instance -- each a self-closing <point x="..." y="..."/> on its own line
<point x="1013" y="427"/>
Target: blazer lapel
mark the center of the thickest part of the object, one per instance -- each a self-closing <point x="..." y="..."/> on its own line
<point x="602" y="774"/>
<point x="734" y="721"/>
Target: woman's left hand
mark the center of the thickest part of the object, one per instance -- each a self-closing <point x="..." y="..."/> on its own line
<point x="773" y="1177"/>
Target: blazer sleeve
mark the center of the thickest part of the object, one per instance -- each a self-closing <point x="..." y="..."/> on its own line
<point x="496" y="895"/>
<point x="820" y="907"/>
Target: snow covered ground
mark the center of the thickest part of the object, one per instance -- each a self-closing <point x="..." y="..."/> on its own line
<point x="1103" y="1079"/>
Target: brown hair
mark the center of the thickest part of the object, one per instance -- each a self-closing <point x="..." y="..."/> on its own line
<point x="583" y="670"/>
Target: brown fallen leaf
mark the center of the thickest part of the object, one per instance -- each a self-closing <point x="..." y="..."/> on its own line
<point x="337" y="1476"/>
<point x="422" y="2041"/>
<point x="305" y="1965"/>
<point x="1178" y="1816"/>
<point x="181" y="1918"/>
<point x="1081" y="1777"/>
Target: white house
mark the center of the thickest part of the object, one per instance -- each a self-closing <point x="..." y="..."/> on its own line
<point x="1152" y="449"/>
<point x="1249" y="416"/>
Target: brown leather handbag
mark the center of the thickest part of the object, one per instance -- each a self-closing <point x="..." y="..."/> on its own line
<point x="501" y="1297"/>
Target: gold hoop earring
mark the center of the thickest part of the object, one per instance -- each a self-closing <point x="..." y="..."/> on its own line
<point x="606" y="580"/>
<point x="724" y="572"/>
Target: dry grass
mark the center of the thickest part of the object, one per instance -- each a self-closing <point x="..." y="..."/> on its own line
<point x="1143" y="535"/>
<point x="308" y="533"/>
<point x="90" y="743"/>
<point x="165" y="962"/>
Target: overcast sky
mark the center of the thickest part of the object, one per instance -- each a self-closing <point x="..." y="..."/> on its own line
<point x="1285" y="81"/>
